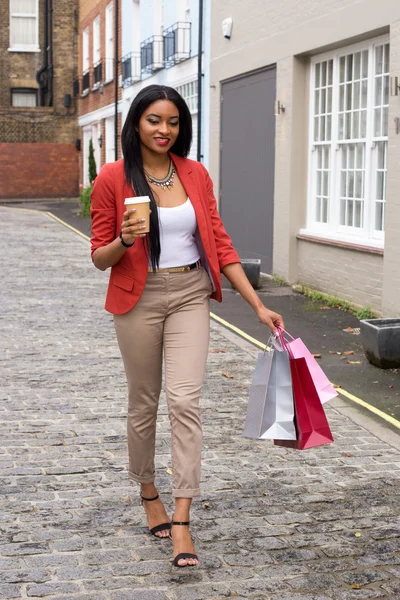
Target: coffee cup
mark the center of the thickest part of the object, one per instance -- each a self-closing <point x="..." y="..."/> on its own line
<point x="142" y="206"/>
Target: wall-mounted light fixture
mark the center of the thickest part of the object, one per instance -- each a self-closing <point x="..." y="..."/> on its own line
<point x="227" y="25"/>
<point x="394" y="86"/>
<point x="279" y="108"/>
<point x="100" y="140"/>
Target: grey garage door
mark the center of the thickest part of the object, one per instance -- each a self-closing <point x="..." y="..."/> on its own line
<point x="247" y="163"/>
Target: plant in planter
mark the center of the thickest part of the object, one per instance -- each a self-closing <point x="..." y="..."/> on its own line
<point x="381" y="342"/>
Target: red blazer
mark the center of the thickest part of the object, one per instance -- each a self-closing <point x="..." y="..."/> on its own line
<point x="128" y="276"/>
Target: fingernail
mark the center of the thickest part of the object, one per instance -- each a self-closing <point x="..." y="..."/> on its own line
<point x="143" y="220"/>
<point x="142" y="235"/>
<point x="143" y="227"/>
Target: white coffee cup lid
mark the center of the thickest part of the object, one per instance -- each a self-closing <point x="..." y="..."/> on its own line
<point x="137" y="200"/>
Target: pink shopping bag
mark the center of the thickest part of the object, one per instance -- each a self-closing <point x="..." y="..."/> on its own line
<point x="298" y="349"/>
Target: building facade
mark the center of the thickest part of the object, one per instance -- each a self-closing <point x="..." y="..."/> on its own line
<point x="38" y="129"/>
<point x="305" y="104"/>
<point x="160" y="44"/>
<point x="97" y="87"/>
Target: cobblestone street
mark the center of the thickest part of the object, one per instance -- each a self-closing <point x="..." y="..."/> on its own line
<point x="272" y="523"/>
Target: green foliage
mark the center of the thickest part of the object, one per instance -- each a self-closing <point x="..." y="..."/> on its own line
<point x="278" y="279"/>
<point x="365" y="313"/>
<point x="85" y="201"/>
<point x="92" y="163"/>
<point x="335" y="302"/>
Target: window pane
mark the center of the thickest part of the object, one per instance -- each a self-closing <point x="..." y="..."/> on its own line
<point x="365" y="63"/>
<point x="330" y="72"/>
<point x="317" y="75"/>
<point x="24" y="99"/>
<point x="357" y="65"/>
<point x="23" y="31"/>
<point x="349" y="67"/>
<point x="358" y="217"/>
<point x="378" y="91"/>
<point x="386" y="60"/>
<point x="342" y="69"/>
<point x="23" y="6"/>
<point x="379" y="208"/>
<point x="379" y="60"/>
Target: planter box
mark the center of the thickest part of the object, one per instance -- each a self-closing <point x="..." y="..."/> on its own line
<point x="252" y="268"/>
<point x="381" y="342"/>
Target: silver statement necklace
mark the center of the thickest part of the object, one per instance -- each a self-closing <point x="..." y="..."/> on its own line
<point x="167" y="182"/>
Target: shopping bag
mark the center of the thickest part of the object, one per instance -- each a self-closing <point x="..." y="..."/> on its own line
<point x="270" y="410"/>
<point x="311" y="423"/>
<point x="298" y="349"/>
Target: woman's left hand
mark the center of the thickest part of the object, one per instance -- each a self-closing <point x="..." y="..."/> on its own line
<point x="270" y="318"/>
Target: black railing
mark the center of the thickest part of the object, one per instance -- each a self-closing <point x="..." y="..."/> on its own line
<point x="151" y="54"/>
<point x="177" y="46"/>
<point x="85" y="81"/>
<point x="97" y="73"/>
<point x="75" y="88"/>
<point x="130" y="68"/>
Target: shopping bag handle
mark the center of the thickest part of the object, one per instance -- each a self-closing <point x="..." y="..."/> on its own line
<point x="284" y="343"/>
<point x="286" y="333"/>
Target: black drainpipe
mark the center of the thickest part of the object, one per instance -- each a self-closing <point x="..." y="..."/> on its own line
<point x="50" y="55"/>
<point x="116" y="79"/>
<point x="43" y="69"/>
<point x="200" y="82"/>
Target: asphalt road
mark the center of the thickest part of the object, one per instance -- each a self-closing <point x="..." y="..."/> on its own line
<point x="324" y="331"/>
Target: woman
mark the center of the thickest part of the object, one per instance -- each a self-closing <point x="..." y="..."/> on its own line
<point x="159" y="291"/>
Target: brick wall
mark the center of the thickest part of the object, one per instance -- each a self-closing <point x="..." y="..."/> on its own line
<point x="38" y="170"/>
<point x="53" y="124"/>
<point x="348" y="274"/>
<point x="104" y="96"/>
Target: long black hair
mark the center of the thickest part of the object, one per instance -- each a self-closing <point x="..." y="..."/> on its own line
<point x="133" y="161"/>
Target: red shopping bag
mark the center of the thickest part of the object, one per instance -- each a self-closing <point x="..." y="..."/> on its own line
<point x="311" y="423"/>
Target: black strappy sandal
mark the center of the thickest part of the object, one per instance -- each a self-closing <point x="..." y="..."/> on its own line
<point x="182" y="555"/>
<point x="158" y="528"/>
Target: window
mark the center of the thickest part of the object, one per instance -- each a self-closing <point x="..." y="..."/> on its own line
<point x="188" y="91"/>
<point x="24" y="26"/>
<point x="96" y="41"/>
<point x="349" y="138"/>
<point x="136" y="25"/>
<point x="109" y="42"/>
<point x="24" y="98"/>
<point x="85" y="58"/>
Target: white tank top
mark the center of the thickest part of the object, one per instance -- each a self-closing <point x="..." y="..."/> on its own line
<point x="177" y="228"/>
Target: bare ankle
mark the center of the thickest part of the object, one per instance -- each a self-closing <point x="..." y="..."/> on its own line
<point x="148" y="490"/>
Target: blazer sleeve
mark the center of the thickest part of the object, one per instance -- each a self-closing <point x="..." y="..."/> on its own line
<point x="225" y="250"/>
<point x="103" y="209"/>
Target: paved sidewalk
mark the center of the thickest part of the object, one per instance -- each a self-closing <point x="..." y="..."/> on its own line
<point x="272" y="523"/>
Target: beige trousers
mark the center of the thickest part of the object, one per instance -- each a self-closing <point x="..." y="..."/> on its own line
<point x="172" y="316"/>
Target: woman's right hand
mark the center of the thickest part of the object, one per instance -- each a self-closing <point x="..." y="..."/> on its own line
<point x="131" y="228"/>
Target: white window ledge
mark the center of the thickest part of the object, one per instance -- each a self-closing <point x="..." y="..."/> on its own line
<point x="24" y="49"/>
<point x="341" y="241"/>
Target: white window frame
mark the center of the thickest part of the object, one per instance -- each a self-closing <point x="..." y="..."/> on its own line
<point x="109" y="43"/>
<point x="96" y="41"/>
<point x="189" y="92"/>
<point x="333" y="230"/>
<point x="25" y="47"/>
<point x="85" y="51"/>
<point x="136" y="39"/>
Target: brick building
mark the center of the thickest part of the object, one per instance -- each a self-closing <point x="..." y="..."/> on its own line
<point x="97" y="86"/>
<point x="38" y="128"/>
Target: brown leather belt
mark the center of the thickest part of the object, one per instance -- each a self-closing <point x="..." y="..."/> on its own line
<point x="184" y="269"/>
